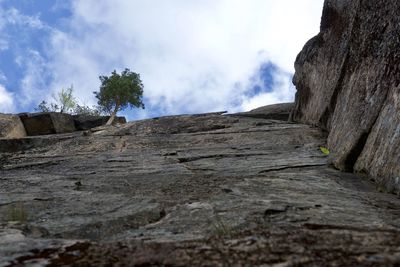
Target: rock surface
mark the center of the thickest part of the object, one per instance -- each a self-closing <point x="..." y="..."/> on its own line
<point x="47" y="123"/>
<point x="348" y="82"/>
<point x="195" y="190"/>
<point x="86" y="122"/>
<point x="272" y="112"/>
<point x="11" y="126"/>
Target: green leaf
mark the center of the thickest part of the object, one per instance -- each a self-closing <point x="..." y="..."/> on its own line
<point x="324" y="150"/>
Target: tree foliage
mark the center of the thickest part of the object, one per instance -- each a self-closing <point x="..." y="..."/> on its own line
<point x="64" y="102"/>
<point x="119" y="91"/>
<point x="86" y="110"/>
<point x="66" y="99"/>
<point x="45" y="107"/>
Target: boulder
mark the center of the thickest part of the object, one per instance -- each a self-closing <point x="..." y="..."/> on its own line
<point x="11" y="126"/>
<point x="86" y="122"/>
<point x="348" y="82"/>
<point x="272" y="112"/>
<point x="47" y="123"/>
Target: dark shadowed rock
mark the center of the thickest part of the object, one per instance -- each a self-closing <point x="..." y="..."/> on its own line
<point x="348" y="82"/>
<point x="47" y="123"/>
<point x="86" y="122"/>
<point x="191" y="190"/>
<point x="21" y="144"/>
<point x="11" y="126"/>
<point x="271" y="112"/>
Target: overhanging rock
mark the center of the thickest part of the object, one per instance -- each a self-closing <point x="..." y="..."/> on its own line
<point x="348" y="82"/>
<point x="11" y="126"/>
<point x="86" y="122"/>
<point x="47" y="123"/>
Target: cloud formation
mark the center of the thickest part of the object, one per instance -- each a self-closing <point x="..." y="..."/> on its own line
<point x="6" y="101"/>
<point x="193" y="56"/>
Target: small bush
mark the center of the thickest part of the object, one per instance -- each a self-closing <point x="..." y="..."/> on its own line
<point x="324" y="150"/>
<point x="221" y="228"/>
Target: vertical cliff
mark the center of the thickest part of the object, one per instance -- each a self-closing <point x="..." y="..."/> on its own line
<point x="348" y="82"/>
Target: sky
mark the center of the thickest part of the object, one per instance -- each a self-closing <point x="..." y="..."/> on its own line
<point x="193" y="56"/>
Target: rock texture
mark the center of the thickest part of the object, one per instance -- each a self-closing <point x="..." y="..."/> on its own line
<point x="348" y="82"/>
<point x="193" y="190"/>
<point x="272" y="112"/>
<point x="34" y="124"/>
<point x="11" y="126"/>
<point x="47" y="123"/>
<point x="86" y="122"/>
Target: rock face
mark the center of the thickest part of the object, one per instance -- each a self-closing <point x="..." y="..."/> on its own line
<point x="47" y="123"/>
<point x="348" y="82"/>
<point x="86" y="122"/>
<point x="198" y="190"/>
<point x="54" y="123"/>
<point x="271" y="112"/>
<point x="11" y="126"/>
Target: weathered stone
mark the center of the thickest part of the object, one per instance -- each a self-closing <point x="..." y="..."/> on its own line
<point x="26" y="143"/>
<point x="380" y="156"/>
<point x="86" y="122"/>
<point x="187" y="190"/>
<point x="47" y="123"/>
<point x="14" y="243"/>
<point x="319" y="65"/>
<point x="271" y="112"/>
<point x="348" y="82"/>
<point x="11" y="126"/>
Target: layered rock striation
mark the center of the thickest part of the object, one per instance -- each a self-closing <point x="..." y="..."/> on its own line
<point x="348" y="82"/>
<point x="11" y="126"/>
<point x="192" y="190"/>
<point x="45" y="123"/>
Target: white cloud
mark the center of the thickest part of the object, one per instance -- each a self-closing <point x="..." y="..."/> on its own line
<point x="283" y="92"/>
<point x="3" y="77"/>
<point x="3" y="38"/>
<point x="193" y="56"/>
<point x="30" y="60"/>
<point x="3" y="45"/>
<point x="14" y="17"/>
<point x="34" y="87"/>
<point x="6" y="100"/>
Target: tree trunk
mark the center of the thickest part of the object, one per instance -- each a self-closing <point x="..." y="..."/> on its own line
<point x="112" y="117"/>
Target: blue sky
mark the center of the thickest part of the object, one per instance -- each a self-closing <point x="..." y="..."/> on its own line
<point x="193" y="55"/>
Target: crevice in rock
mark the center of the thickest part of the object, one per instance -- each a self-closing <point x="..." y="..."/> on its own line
<point x="333" y="17"/>
<point x="355" y="152"/>
<point x="32" y="164"/>
<point x="325" y="120"/>
<point x="292" y="167"/>
<point x="288" y="126"/>
<point x="317" y="226"/>
<point x="190" y="159"/>
<point x="219" y="156"/>
<point x="275" y="211"/>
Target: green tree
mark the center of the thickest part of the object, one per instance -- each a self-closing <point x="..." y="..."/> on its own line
<point x="119" y="91"/>
<point x="66" y="99"/>
<point x="86" y="110"/>
<point x="45" y="107"/>
<point x="64" y="102"/>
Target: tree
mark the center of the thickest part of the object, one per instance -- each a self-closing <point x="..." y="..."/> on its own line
<point x="66" y="99"/>
<point x="119" y="91"/>
<point x="44" y="107"/>
<point x="65" y="102"/>
<point x="86" y="110"/>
